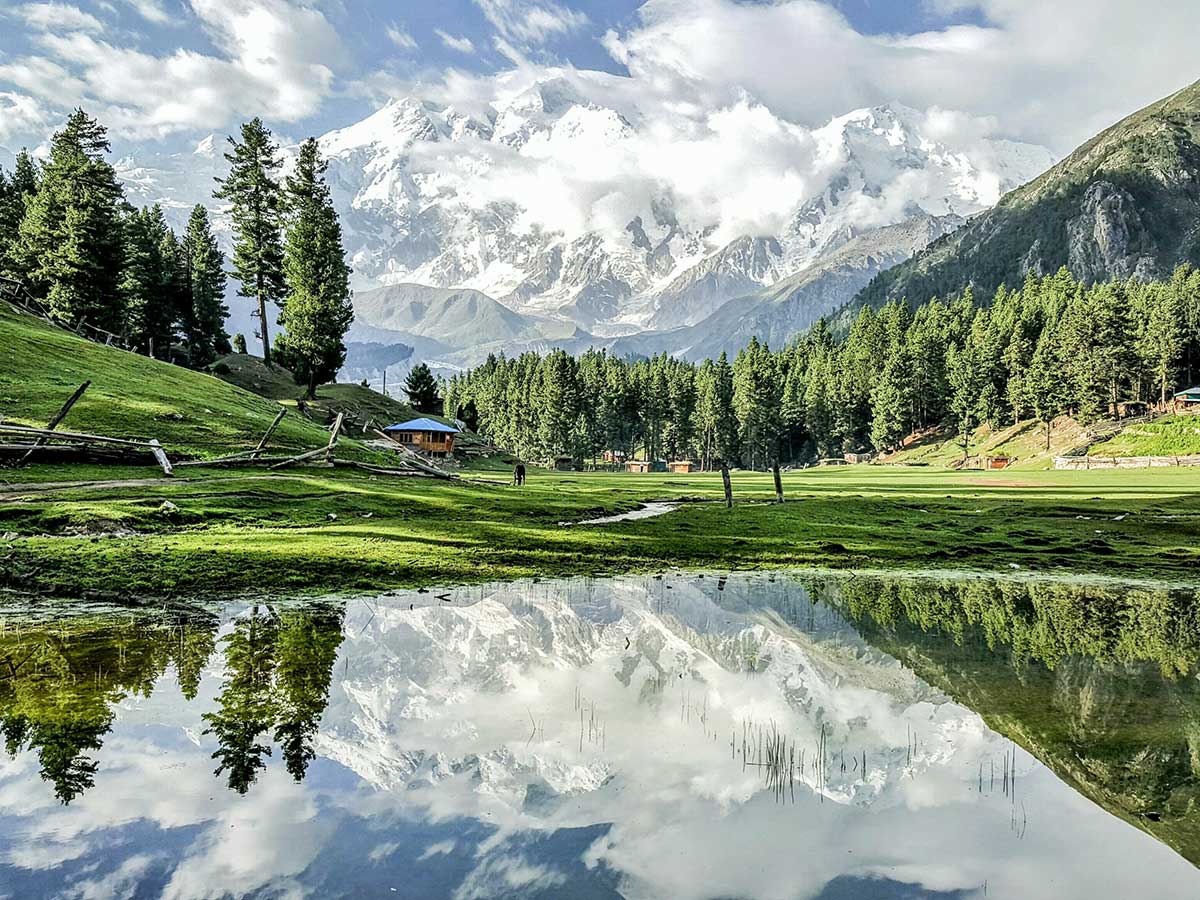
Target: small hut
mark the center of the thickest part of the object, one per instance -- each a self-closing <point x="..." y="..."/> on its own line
<point x="997" y="462"/>
<point x="681" y="467"/>
<point x="426" y="436"/>
<point x="645" y="466"/>
<point x="1187" y="401"/>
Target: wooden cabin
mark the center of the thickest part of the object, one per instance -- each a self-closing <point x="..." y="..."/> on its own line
<point x="681" y="467"/>
<point x="426" y="436"/>
<point x="997" y="462"/>
<point x="644" y="466"/>
<point x="1187" y="401"/>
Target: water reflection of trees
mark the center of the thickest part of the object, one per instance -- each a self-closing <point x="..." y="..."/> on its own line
<point x="277" y="673"/>
<point x="1098" y="682"/>
<point x="60" y="684"/>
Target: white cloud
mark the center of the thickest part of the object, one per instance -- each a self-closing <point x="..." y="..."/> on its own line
<point x="21" y="115"/>
<point x="454" y="42"/>
<point x="531" y="21"/>
<point x="401" y="38"/>
<point x="1053" y="73"/>
<point x="275" y="60"/>
<point x="58" y="16"/>
<point x="151" y="11"/>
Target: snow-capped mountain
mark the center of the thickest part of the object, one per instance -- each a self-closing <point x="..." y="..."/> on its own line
<point x="563" y="209"/>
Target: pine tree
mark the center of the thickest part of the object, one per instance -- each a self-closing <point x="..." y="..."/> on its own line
<point x="69" y="248"/>
<point x="1160" y="341"/>
<point x="966" y="379"/>
<point x="206" y="288"/>
<point x="239" y="344"/>
<point x="1044" y="388"/>
<point x="891" y="404"/>
<point x="318" y="311"/>
<point x="422" y="389"/>
<point x="256" y="200"/>
<point x="152" y="282"/>
<point x="15" y="193"/>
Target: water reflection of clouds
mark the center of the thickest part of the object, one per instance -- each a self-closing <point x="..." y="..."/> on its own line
<point x="451" y="715"/>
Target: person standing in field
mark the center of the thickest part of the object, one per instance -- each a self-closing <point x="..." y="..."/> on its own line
<point x="519" y="474"/>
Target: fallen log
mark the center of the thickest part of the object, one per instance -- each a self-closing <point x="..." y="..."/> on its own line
<point x="380" y="470"/>
<point x="333" y="437"/>
<point x="270" y="431"/>
<point x="85" y="453"/>
<point x="292" y="460"/>
<point x="58" y="417"/>
<point x="237" y="459"/>
<point x="73" y="436"/>
<point x="161" y="456"/>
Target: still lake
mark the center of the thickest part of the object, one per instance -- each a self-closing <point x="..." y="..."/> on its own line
<point x="755" y="736"/>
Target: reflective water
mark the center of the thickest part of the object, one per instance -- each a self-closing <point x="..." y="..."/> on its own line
<point x="753" y="736"/>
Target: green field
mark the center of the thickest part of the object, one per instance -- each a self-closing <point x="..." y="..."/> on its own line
<point x="77" y="530"/>
<point x="319" y="530"/>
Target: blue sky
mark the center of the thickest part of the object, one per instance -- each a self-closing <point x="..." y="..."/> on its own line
<point x="171" y="70"/>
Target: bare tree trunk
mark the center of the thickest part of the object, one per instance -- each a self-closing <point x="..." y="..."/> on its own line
<point x="262" y="323"/>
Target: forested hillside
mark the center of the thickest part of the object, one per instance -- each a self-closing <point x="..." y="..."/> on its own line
<point x="72" y="245"/>
<point x="1054" y="346"/>
<point x="1125" y="204"/>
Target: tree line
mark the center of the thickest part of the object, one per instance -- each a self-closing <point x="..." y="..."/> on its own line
<point x="1056" y="346"/>
<point x="68" y="233"/>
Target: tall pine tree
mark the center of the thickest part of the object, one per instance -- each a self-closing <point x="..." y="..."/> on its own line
<point x="16" y="190"/>
<point x="256" y="207"/>
<point x="206" y="288"/>
<point x="69" y="248"/>
<point x="318" y="311"/>
<point x="150" y="282"/>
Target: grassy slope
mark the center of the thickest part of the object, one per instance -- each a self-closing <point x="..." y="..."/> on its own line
<point x="1025" y="442"/>
<point x="132" y="396"/>
<point x="257" y="531"/>
<point x="1168" y="436"/>
<point x="362" y="405"/>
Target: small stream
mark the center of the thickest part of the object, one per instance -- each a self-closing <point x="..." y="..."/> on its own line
<point x="646" y="511"/>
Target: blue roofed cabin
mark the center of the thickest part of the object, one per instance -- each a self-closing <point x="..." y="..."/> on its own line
<point x="425" y="436"/>
<point x="1188" y="401"/>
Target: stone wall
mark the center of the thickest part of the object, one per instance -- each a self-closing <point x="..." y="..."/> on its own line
<point x="1123" y="462"/>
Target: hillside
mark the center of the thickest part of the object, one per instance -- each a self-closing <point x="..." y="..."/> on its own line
<point x="1024" y="442"/>
<point x="365" y="409"/>
<point x="1168" y="436"/>
<point x="132" y="396"/>
<point x="1125" y="204"/>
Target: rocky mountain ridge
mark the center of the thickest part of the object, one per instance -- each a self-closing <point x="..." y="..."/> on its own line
<point x="1126" y="204"/>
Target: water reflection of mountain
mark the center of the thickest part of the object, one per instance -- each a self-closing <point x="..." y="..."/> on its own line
<point x="1098" y="682"/>
<point x="634" y="711"/>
